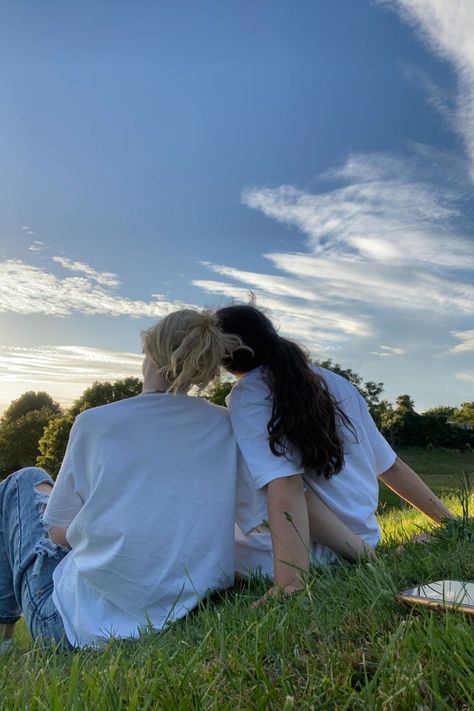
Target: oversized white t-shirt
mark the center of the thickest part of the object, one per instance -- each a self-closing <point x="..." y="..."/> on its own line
<point x="352" y="494"/>
<point x="147" y="490"/>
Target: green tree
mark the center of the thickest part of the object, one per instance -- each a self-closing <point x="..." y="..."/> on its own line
<point x="403" y="426"/>
<point x="53" y="444"/>
<point x="21" y="428"/>
<point x="370" y="390"/>
<point x="28" y="402"/>
<point x="103" y="393"/>
<point x="217" y="393"/>
<point x="444" y="411"/>
<point x="464" y="413"/>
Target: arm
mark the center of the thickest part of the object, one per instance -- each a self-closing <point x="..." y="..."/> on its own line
<point x="328" y="529"/>
<point x="408" y="485"/>
<point x="289" y="526"/>
<point x="58" y="536"/>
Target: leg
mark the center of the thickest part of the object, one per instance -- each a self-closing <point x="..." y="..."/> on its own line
<point x="32" y="556"/>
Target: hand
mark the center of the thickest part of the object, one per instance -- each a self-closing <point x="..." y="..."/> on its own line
<point x="276" y="591"/>
<point x="418" y="538"/>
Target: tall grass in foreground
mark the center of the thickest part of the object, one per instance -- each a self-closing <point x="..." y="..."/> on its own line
<point x="343" y="644"/>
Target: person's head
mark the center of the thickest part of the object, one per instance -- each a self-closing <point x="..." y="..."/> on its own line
<point x="187" y="348"/>
<point x="305" y="417"/>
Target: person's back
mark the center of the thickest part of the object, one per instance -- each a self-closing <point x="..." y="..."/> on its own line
<point x="155" y="531"/>
<point x="352" y="494"/>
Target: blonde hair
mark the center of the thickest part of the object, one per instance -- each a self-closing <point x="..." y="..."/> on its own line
<point x="188" y="348"/>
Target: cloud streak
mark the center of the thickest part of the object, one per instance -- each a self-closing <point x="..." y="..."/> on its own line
<point x="26" y="289"/>
<point x="448" y="29"/>
<point x="386" y="240"/>
<point x="64" y="371"/>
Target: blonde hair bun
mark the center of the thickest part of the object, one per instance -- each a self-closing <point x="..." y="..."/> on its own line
<point x="188" y="348"/>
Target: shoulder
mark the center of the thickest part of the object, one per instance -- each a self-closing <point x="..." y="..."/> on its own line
<point x="93" y="415"/>
<point x="251" y="388"/>
<point x="209" y="409"/>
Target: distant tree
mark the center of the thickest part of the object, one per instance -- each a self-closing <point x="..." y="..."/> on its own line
<point x="21" y="428"/>
<point x="465" y="412"/>
<point x="405" y="402"/>
<point x="217" y="393"/>
<point x="403" y="426"/>
<point x="444" y="411"/>
<point x="28" y="402"/>
<point x="53" y="444"/>
<point x="103" y="393"/>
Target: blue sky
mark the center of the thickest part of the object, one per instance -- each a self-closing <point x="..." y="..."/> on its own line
<point x="156" y="154"/>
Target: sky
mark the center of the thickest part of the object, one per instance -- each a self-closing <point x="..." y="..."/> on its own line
<point x="157" y="154"/>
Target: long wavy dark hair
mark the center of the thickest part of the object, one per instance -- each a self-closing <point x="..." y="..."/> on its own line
<point x="305" y="415"/>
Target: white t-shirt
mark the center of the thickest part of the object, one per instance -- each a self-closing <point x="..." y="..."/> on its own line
<point x="352" y="494"/>
<point x="147" y="490"/>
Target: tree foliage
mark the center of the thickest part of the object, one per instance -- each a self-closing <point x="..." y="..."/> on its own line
<point x="464" y="413"/>
<point x="217" y="393"/>
<point x="53" y="443"/>
<point x="103" y="393"/>
<point x="21" y="428"/>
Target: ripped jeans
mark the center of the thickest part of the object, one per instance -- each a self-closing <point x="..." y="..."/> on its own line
<point x="28" y="557"/>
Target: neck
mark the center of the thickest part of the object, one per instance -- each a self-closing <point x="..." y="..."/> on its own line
<point x="154" y="383"/>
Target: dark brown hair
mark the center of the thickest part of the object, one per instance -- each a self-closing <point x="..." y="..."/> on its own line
<point x="305" y="416"/>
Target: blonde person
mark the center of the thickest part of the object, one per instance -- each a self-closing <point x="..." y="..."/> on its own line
<point x="141" y="517"/>
<point x="307" y="436"/>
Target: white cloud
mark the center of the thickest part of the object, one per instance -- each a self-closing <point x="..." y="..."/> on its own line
<point x="468" y="376"/>
<point x="103" y="278"/>
<point x="467" y="341"/>
<point x="388" y="351"/>
<point x="63" y="371"/>
<point x="448" y="28"/>
<point x="388" y="241"/>
<point x="27" y="289"/>
<point x="37" y="246"/>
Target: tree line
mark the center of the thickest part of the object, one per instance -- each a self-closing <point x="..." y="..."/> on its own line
<point x="34" y="429"/>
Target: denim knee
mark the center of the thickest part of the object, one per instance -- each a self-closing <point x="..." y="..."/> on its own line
<point x="31" y="475"/>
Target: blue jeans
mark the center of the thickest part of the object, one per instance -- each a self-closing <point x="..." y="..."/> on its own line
<point x="28" y="557"/>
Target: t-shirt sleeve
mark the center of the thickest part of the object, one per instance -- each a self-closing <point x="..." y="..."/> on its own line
<point x="65" y="501"/>
<point x="384" y="456"/>
<point x="249" y="416"/>
<point x="250" y="502"/>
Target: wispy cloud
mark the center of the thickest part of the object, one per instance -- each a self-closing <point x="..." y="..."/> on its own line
<point x="388" y="351"/>
<point x="468" y="376"/>
<point x="467" y="341"/>
<point x="63" y="371"/>
<point x="27" y="289"/>
<point x="448" y="28"/>
<point x="37" y="246"/>
<point x="103" y="278"/>
<point x="387" y="239"/>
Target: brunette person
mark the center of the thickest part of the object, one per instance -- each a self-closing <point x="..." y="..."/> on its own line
<point x="303" y="430"/>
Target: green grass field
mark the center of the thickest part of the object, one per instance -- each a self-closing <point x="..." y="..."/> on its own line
<point x="342" y="644"/>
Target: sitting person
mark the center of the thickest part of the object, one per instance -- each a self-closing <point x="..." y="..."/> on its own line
<point x="307" y="437"/>
<point x="141" y="517"/>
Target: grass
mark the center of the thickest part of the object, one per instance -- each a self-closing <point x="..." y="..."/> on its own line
<point x="342" y="644"/>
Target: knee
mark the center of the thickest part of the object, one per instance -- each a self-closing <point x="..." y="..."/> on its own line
<point x="33" y="476"/>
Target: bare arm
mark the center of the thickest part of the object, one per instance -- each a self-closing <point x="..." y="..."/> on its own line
<point x="328" y="529"/>
<point x="58" y="536"/>
<point x="408" y="485"/>
<point x="289" y="526"/>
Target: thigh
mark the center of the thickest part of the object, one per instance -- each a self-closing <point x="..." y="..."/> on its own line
<point x="32" y="555"/>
